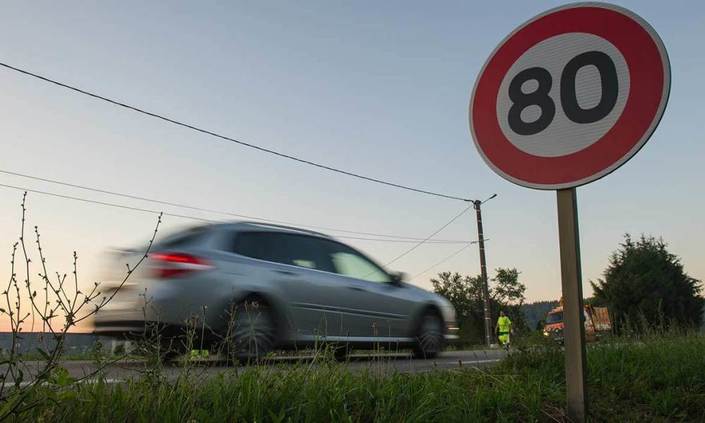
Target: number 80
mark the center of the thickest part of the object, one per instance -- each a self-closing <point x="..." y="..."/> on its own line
<point x="569" y="100"/>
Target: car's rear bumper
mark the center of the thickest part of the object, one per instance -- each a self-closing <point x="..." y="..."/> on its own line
<point x="137" y="329"/>
<point x="119" y="327"/>
<point x="130" y="323"/>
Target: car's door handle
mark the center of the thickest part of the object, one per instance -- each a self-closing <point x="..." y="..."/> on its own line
<point x="287" y="272"/>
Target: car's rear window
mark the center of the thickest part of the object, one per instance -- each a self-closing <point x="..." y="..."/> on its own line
<point x="181" y="239"/>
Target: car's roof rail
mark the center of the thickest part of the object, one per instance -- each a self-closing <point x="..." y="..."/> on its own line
<point x="290" y="228"/>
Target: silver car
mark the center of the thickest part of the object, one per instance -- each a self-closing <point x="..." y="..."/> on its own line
<point x="249" y="288"/>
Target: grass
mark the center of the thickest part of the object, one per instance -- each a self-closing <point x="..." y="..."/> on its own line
<point x="658" y="378"/>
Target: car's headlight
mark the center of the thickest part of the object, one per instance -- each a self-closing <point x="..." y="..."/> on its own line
<point x="449" y="312"/>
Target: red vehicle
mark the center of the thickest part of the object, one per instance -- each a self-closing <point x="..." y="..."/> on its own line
<point x="597" y="322"/>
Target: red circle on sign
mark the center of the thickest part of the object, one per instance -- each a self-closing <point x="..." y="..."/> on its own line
<point x="649" y="75"/>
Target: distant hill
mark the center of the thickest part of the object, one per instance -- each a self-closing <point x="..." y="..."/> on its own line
<point x="536" y="311"/>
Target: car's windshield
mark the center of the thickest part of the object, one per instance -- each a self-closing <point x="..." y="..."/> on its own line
<point x="352" y="264"/>
<point x="554" y="317"/>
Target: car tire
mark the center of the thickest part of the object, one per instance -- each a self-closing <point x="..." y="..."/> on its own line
<point x="429" y="336"/>
<point x="251" y="331"/>
<point x="171" y="349"/>
<point x="341" y="351"/>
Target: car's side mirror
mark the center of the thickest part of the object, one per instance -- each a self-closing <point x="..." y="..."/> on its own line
<point x="397" y="278"/>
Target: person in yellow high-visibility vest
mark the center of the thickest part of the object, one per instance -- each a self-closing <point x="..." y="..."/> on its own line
<point x="504" y="329"/>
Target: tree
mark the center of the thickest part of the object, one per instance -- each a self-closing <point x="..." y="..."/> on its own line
<point x="508" y="290"/>
<point x="508" y="295"/>
<point x="465" y="293"/>
<point x="646" y="286"/>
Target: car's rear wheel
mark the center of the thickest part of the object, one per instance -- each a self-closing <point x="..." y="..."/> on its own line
<point x="157" y="345"/>
<point x="429" y="337"/>
<point x="251" y="331"/>
<point x="171" y="349"/>
<point x="341" y="351"/>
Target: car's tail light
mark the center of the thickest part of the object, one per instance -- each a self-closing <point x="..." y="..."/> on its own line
<point x="170" y="265"/>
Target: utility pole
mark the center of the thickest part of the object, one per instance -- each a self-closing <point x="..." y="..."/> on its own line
<point x="483" y="270"/>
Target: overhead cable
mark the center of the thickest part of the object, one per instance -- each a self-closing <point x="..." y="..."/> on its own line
<point x="228" y="138"/>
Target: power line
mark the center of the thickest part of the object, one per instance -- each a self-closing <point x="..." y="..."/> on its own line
<point x="397" y="239"/>
<point x="221" y="212"/>
<point x="408" y="241"/>
<point x="429" y="237"/>
<point x="230" y="139"/>
<point x="182" y="216"/>
<point x="104" y="203"/>
<point x="445" y="259"/>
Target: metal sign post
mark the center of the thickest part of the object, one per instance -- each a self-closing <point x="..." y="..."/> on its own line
<point x="574" y="330"/>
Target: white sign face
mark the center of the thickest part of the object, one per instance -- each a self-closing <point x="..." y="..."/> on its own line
<point x="570" y="96"/>
<point x="544" y="128"/>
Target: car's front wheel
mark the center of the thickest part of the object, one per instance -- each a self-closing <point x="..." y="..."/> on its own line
<point x="429" y="337"/>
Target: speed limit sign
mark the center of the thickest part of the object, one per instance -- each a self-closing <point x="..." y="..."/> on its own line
<point x="570" y="96"/>
<point x="565" y="99"/>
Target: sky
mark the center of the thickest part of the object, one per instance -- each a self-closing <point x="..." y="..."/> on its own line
<point x="377" y="88"/>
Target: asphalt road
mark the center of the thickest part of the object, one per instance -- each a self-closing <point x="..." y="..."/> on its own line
<point x="123" y="370"/>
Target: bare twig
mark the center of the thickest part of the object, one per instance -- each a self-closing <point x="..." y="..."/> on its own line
<point x="57" y="303"/>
